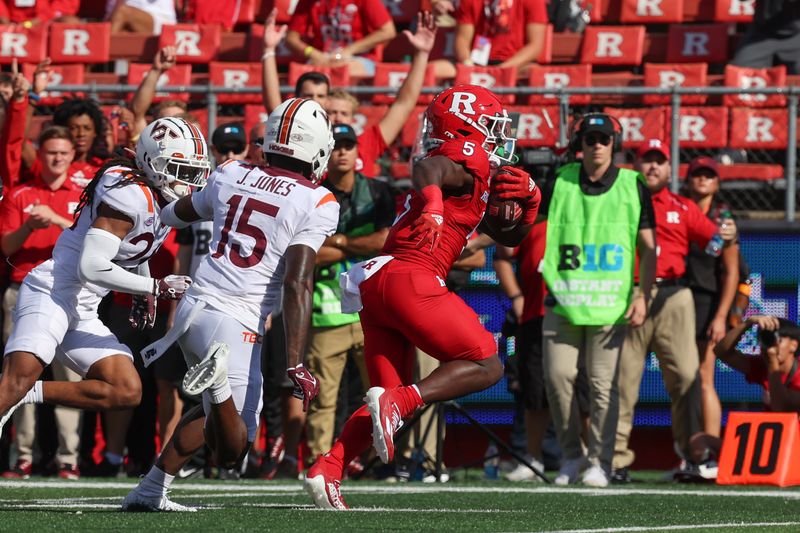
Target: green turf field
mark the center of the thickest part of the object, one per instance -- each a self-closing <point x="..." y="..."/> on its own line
<point x="88" y="504"/>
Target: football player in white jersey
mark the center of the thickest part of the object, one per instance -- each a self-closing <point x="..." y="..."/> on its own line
<point x="107" y="248"/>
<point x="269" y="223"/>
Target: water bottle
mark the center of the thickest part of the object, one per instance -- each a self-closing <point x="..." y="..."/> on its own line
<point x="491" y="462"/>
<point x="714" y="246"/>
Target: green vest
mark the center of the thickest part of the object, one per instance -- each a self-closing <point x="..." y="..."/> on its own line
<point x="327" y="297"/>
<point x="591" y="246"/>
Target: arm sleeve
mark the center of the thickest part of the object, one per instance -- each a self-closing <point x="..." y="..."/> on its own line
<point x="10" y="214"/>
<point x="319" y="224"/>
<point x="467" y="12"/>
<point x="11" y="140"/>
<point x="647" y="217"/>
<point x="701" y="229"/>
<point x="184" y="236"/>
<point x="203" y="200"/>
<point x="96" y="266"/>
<point x="758" y="372"/>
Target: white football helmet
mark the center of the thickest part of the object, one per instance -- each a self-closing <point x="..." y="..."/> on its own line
<point x="299" y="128"/>
<point x="173" y="154"/>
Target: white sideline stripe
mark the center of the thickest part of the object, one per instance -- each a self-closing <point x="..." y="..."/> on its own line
<point x="410" y="489"/>
<point x="676" y="526"/>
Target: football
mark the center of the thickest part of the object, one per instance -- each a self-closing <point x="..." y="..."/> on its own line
<point x="503" y="214"/>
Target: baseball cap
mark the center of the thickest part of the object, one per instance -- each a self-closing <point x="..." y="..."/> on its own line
<point x="653" y="145"/>
<point x="229" y="138"/>
<point x="703" y="162"/>
<point x="599" y="123"/>
<point x="344" y="132"/>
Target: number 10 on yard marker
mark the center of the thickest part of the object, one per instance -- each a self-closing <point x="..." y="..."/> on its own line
<point x="760" y="449"/>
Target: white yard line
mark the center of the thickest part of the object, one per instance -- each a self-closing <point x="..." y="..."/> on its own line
<point x="680" y="527"/>
<point x="413" y="488"/>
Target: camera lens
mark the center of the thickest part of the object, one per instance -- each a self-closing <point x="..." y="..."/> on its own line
<point x="768" y="338"/>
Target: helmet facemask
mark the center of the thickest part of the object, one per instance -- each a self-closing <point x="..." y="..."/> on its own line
<point x="180" y="176"/>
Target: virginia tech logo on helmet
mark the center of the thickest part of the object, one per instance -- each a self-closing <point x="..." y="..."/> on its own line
<point x="161" y="131"/>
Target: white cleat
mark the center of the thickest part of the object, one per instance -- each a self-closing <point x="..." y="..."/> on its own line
<point x="138" y="502"/>
<point x="7" y="415"/>
<point x="213" y="369"/>
<point x="594" y="476"/>
<point x="523" y="473"/>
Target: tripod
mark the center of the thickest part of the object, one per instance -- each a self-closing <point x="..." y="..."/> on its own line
<point x="418" y="454"/>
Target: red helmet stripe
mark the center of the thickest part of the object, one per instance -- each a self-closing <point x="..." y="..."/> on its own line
<point x="285" y="126"/>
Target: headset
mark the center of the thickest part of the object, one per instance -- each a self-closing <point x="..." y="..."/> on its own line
<point x="575" y="127"/>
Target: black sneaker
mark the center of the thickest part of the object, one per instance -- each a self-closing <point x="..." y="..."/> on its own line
<point x="621" y="476"/>
<point x="689" y="472"/>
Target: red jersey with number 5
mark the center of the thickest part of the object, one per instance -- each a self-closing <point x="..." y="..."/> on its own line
<point x="258" y="213"/>
<point x="462" y="214"/>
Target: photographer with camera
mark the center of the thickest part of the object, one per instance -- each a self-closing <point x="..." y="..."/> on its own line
<point x="776" y="369"/>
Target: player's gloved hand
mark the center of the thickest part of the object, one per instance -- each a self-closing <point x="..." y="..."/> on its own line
<point x="427" y="228"/>
<point x="306" y="386"/>
<point x="171" y="287"/>
<point x="143" y="312"/>
<point x="515" y="183"/>
<point x="511" y="183"/>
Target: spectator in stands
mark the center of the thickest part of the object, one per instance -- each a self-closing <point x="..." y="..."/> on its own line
<point x="505" y="33"/>
<point x="164" y="60"/>
<point x="140" y="16"/>
<point x="229" y="142"/>
<point x="776" y="369"/>
<point x="225" y="14"/>
<point x="6" y="91"/>
<point x="669" y="329"/>
<point x="588" y="305"/>
<point x="88" y="127"/>
<point x="342" y="106"/>
<point x="773" y="37"/>
<point x="31" y="218"/>
<point x="314" y="85"/>
<point x="714" y="282"/>
<point x="330" y="34"/>
<point x="32" y="13"/>
<point x="255" y="153"/>
<point x="367" y="210"/>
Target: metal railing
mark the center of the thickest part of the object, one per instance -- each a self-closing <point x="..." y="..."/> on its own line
<point x="563" y="96"/>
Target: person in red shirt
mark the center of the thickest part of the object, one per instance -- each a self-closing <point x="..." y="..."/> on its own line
<point x="341" y="32"/>
<point x="669" y="329"/>
<point x="342" y="106"/>
<point x="777" y="368"/>
<point x="32" y="216"/>
<point x="36" y="12"/>
<point x="403" y="292"/>
<point x="506" y="33"/>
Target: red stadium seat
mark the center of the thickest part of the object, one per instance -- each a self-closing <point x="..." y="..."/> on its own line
<point x="613" y="45"/>
<point x="537" y="125"/>
<point x="734" y="10"/>
<point x="755" y="78"/>
<point x="488" y="77"/>
<point x="27" y="45"/>
<point x="253" y="114"/>
<point x="640" y="124"/>
<point x="393" y="75"/>
<point x="59" y="75"/>
<point x="546" y="55"/>
<point x="177" y="75"/>
<point x="285" y="10"/>
<point x="669" y="75"/>
<point x="758" y="128"/>
<point x="702" y="127"/>
<point x="652" y="11"/>
<point x="697" y="43"/>
<point x="247" y="11"/>
<point x="236" y="75"/>
<point x="368" y="115"/>
<point x="194" y="43"/>
<point x="80" y="43"/>
<point x="554" y="76"/>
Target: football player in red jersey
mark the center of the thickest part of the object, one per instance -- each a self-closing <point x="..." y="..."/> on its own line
<point x="405" y="301"/>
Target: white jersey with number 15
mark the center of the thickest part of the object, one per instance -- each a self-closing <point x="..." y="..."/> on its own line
<point x="258" y="212"/>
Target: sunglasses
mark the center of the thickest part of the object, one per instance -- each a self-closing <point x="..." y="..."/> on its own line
<point x="598" y="138"/>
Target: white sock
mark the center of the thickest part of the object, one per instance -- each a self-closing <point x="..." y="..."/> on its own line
<point x="113" y="458"/>
<point x="35" y="395"/>
<point x="156" y="482"/>
<point x="220" y="392"/>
